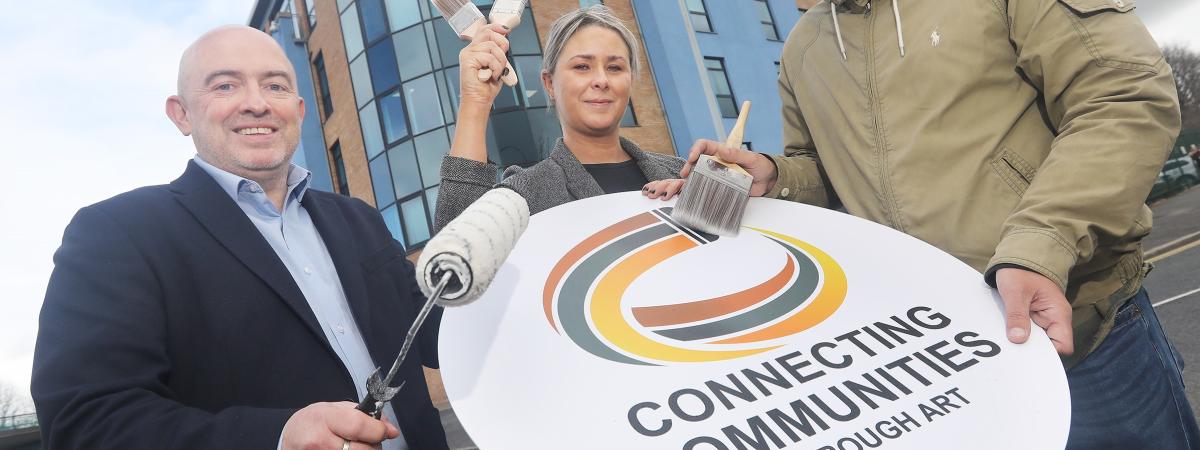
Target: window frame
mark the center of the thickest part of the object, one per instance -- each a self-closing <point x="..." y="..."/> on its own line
<point x="703" y="12"/>
<point x="326" y="103"/>
<point x="724" y="73"/>
<point x="771" y="14"/>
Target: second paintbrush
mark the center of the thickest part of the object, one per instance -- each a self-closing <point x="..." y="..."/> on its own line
<point x="716" y="193"/>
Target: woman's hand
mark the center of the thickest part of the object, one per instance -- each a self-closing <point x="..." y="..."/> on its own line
<point x="486" y="50"/>
<point x="663" y="189"/>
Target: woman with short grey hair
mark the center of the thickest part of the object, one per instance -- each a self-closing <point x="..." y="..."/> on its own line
<point x="588" y="72"/>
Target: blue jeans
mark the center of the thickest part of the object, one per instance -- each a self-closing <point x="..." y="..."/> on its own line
<point x="1128" y="394"/>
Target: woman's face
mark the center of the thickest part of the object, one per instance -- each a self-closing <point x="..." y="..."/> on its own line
<point x="591" y="81"/>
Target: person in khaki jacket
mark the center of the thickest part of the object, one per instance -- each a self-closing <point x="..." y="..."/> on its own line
<point x="1021" y="136"/>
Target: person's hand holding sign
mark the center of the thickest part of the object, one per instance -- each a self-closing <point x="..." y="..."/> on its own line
<point x="1029" y="295"/>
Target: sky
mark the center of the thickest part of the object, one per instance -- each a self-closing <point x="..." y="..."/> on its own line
<point x="81" y="120"/>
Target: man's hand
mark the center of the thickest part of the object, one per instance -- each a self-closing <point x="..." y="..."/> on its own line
<point x="1029" y="295"/>
<point x="761" y="169"/>
<point x="329" y="425"/>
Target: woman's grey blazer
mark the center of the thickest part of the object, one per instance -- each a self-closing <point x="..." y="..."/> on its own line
<point x="558" y="179"/>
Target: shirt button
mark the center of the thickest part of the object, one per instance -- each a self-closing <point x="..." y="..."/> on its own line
<point x="1119" y="3"/>
<point x="341" y="329"/>
<point x="307" y="271"/>
<point x="785" y="192"/>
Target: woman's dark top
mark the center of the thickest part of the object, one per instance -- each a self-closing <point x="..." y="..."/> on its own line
<point x="617" y="177"/>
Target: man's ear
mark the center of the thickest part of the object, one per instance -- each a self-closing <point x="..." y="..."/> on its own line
<point x="178" y="114"/>
<point x="301" y="108"/>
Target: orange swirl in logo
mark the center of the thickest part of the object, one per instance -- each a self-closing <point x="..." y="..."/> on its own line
<point x="585" y="289"/>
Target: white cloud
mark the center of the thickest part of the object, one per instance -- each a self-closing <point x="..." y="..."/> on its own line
<point x="1172" y="22"/>
<point x="82" y="121"/>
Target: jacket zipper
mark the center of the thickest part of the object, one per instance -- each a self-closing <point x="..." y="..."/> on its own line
<point x="885" y="183"/>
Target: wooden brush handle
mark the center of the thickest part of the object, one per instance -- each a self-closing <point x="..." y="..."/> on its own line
<point x="735" y="136"/>
<point x="509" y="77"/>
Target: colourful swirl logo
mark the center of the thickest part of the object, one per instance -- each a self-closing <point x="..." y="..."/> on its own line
<point x="586" y="287"/>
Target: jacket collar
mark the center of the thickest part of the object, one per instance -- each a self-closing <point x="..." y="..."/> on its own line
<point x="228" y="224"/>
<point x="580" y="183"/>
<point x="852" y="6"/>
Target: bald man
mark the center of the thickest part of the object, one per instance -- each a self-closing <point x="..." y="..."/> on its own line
<point x="234" y="308"/>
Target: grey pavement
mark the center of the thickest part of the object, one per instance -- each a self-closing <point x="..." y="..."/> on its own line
<point x="1174" y="218"/>
<point x="1173" y="284"/>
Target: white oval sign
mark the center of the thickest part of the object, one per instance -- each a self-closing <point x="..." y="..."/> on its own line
<point x="611" y="327"/>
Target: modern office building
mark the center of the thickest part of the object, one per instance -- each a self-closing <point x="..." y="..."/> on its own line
<point x="729" y="51"/>
<point x="381" y="78"/>
<point x="311" y="154"/>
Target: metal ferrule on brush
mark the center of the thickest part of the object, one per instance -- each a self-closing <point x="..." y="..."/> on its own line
<point x="462" y="19"/>
<point x="513" y="7"/>
<point x="714" y="198"/>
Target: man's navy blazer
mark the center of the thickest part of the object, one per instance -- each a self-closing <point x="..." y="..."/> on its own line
<point x="170" y="322"/>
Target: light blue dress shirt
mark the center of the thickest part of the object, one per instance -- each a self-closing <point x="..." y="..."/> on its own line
<point x="298" y="244"/>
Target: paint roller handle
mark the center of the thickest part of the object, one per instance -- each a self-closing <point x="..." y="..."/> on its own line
<point x="473" y="246"/>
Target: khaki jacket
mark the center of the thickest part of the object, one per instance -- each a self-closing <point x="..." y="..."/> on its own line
<point x="1024" y="132"/>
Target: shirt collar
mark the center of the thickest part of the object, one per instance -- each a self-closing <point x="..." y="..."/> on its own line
<point x="297" y="181"/>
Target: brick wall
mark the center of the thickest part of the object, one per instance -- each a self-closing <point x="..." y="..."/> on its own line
<point x="652" y="133"/>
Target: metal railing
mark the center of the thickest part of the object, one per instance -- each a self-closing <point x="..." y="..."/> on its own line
<point x="18" y="421"/>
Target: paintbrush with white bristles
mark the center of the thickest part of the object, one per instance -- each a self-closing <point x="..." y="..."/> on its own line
<point x="716" y="193"/>
<point x="466" y="20"/>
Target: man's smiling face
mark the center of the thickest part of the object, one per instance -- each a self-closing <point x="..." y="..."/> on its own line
<point x="238" y="100"/>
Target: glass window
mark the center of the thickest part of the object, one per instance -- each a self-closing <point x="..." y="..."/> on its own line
<point x="699" y="14"/>
<point x="452" y="84"/>
<point x="514" y="139"/>
<point x="506" y="99"/>
<point x="391" y="218"/>
<point x="403" y="13"/>
<point x="424" y="107"/>
<point x="360" y="77"/>
<point x="323" y="85"/>
<point x="431" y="198"/>
<point x="448" y="43"/>
<point x="720" y="86"/>
<point x="411" y="53"/>
<point x="416" y="223"/>
<point x="405" y="174"/>
<point x="339" y="168"/>
<point x="395" y="127"/>
<point x="524" y="40"/>
<point x="431" y="147"/>
<point x="382" y="61"/>
<point x="431" y="42"/>
<point x="628" y="119"/>
<point x="449" y="97"/>
<point x="425" y="9"/>
<point x="372" y="138"/>
<point x="351" y="32"/>
<point x="768" y="22"/>
<point x="380" y="181"/>
<point x="342" y="4"/>
<point x="529" y="71"/>
<point x="373" y="20"/>
<point x="311" y="14"/>
<point x="545" y="130"/>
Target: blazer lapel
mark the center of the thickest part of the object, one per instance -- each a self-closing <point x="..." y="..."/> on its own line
<point x="339" y="241"/>
<point x="580" y="183"/>
<point x="218" y="213"/>
<point x="653" y="170"/>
